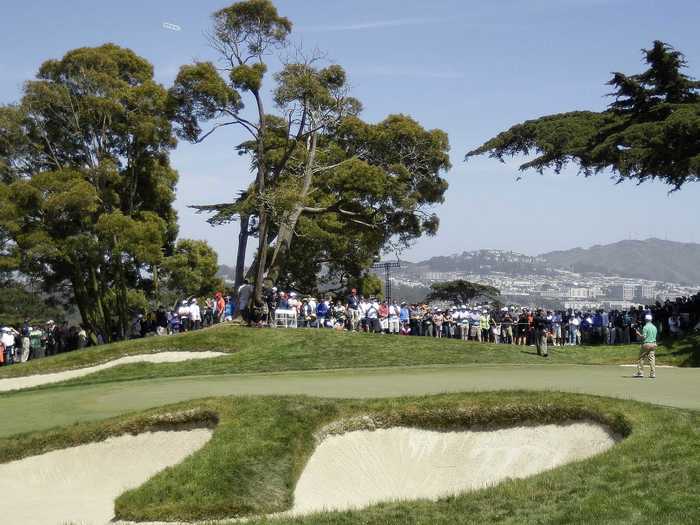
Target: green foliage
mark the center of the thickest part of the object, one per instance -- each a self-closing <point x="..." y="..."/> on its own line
<point x="191" y="270"/>
<point x="88" y="186"/>
<point x="317" y="90"/>
<point x="650" y="132"/>
<point x="248" y="78"/>
<point x="330" y="190"/>
<point x="200" y="94"/>
<point x="383" y="181"/>
<point x="460" y="291"/>
<point x="368" y="285"/>
<point x="249" y="28"/>
<point x="19" y="304"/>
<point x="14" y="149"/>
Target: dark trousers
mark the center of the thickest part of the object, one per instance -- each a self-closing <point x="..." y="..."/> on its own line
<point x="416" y="327"/>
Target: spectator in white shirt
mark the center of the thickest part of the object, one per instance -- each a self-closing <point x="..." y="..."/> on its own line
<point x="394" y="318"/>
<point x="195" y="315"/>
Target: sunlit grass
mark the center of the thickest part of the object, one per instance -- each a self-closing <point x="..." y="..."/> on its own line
<point x="267" y="350"/>
<point x="260" y="446"/>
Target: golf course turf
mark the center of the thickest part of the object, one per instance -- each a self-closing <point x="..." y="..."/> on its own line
<point x="261" y="444"/>
<point x="265" y="350"/>
<point x="264" y="428"/>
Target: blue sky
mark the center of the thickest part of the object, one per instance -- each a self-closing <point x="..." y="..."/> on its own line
<point x="470" y="68"/>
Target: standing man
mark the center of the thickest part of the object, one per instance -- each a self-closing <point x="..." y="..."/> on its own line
<point x="648" y="350"/>
<point x="322" y="311"/>
<point x="354" y="313"/>
<point x="161" y="321"/>
<point x="245" y="292"/>
<point x="405" y="319"/>
<point x="372" y="315"/>
<point x="24" y="356"/>
<point x="195" y="315"/>
<point x="394" y="313"/>
<point x="484" y="325"/>
<point x="540" y="333"/>
<point x="184" y="312"/>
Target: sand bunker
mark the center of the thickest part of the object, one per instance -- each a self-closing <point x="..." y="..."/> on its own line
<point x="79" y="485"/>
<point x="359" y="468"/>
<point x="16" y="383"/>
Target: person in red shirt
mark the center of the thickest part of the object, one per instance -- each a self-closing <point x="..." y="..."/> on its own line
<point x="220" y="307"/>
<point x="384" y="316"/>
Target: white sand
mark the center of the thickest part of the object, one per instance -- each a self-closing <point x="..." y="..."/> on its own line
<point x="16" y="383"/>
<point x="79" y="485"/>
<point x="359" y="468"/>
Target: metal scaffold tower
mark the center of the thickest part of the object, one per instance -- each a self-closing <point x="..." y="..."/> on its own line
<point x="387" y="266"/>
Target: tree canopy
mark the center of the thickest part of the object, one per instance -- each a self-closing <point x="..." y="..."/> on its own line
<point x="378" y="193"/>
<point x="87" y="188"/>
<point x="330" y="191"/>
<point x="460" y="291"/>
<point x="651" y="131"/>
<point x="191" y="269"/>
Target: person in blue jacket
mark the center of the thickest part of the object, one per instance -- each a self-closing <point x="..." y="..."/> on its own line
<point x="322" y="313"/>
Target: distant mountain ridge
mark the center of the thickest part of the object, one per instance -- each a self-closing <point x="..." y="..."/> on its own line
<point x="653" y="259"/>
<point x="481" y="261"/>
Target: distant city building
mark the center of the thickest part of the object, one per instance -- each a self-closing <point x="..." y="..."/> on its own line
<point x="645" y="292"/>
<point x="581" y="305"/>
<point x="578" y="293"/>
<point x="622" y="292"/>
<point x="618" y="305"/>
<point x="595" y="291"/>
<point x="553" y="294"/>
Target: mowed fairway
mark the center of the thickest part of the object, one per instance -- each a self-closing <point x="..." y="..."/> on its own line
<point x="62" y="405"/>
<point x="261" y="444"/>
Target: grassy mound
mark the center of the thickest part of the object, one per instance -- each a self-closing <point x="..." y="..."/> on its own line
<point x="254" y="350"/>
<point x="260" y="445"/>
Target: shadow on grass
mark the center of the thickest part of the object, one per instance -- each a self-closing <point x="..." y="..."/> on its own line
<point x="686" y="348"/>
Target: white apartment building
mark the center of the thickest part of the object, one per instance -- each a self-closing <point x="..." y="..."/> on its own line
<point x="578" y="293"/>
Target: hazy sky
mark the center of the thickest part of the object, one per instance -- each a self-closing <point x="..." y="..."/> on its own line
<point x="470" y="68"/>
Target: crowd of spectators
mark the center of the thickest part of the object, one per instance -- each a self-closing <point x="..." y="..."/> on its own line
<point x="476" y="322"/>
<point x="18" y="344"/>
<point x="481" y="322"/>
<point x="185" y="316"/>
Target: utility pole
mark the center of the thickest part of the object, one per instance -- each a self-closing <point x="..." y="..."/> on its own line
<point x="387" y="266"/>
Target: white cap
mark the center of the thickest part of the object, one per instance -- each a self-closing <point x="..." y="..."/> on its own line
<point x="647" y="317"/>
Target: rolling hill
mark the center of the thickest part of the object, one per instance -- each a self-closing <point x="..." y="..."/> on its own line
<point x="652" y="259"/>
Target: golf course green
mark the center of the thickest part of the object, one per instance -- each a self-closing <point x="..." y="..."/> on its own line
<point x="62" y="405"/>
<point x="273" y="390"/>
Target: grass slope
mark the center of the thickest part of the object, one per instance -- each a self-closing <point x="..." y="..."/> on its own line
<point x="260" y="446"/>
<point x="268" y="350"/>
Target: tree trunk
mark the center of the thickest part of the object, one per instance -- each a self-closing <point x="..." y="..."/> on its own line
<point x="101" y="317"/>
<point x="289" y="221"/>
<point x="260" y="182"/>
<point x="240" y="254"/>
<point x="261" y="257"/>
